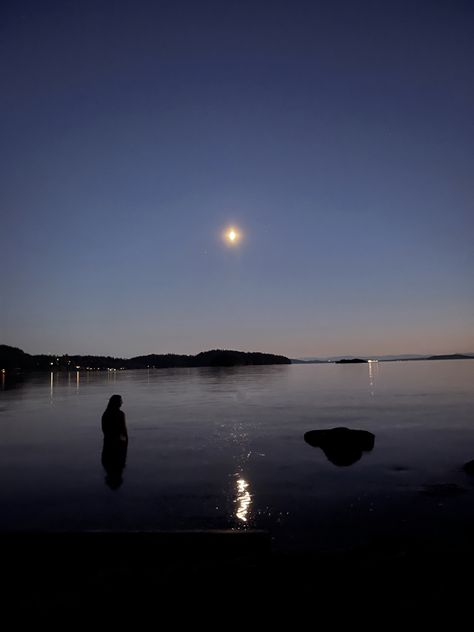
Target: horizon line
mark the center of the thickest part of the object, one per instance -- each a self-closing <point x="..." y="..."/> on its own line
<point x="294" y="357"/>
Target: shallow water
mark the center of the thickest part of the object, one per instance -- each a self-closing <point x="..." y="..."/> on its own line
<point x="224" y="448"/>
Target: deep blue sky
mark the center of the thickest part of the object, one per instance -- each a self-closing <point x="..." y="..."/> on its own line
<point x="337" y="135"/>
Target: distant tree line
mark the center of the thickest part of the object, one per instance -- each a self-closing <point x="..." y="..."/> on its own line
<point x="12" y="358"/>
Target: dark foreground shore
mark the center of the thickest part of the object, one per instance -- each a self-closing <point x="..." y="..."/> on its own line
<point x="199" y="577"/>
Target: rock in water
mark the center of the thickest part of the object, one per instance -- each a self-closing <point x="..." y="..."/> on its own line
<point x="341" y="446"/>
<point x="469" y="467"/>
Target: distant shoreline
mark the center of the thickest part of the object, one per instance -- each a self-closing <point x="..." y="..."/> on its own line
<point x="350" y="360"/>
<point x="14" y="359"/>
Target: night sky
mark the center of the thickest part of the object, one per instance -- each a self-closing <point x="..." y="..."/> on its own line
<point x="336" y="136"/>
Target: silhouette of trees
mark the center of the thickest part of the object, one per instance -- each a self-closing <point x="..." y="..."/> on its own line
<point x="12" y="358"/>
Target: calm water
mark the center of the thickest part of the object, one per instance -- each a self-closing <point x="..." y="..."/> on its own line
<point x="224" y="448"/>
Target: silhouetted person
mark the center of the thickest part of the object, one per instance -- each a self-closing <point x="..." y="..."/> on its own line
<point x="113" y="420"/>
<point x="114" y="451"/>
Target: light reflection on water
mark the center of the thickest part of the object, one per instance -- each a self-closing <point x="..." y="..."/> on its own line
<point x="373" y="369"/>
<point x="190" y="428"/>
<point x="243" y="500"/>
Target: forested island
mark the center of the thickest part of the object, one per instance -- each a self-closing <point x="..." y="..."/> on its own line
<point x="12" y="358"/>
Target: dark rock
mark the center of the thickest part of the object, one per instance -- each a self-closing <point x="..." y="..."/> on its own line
<point x="341" y="446"/>
<point x="469" y="467"/>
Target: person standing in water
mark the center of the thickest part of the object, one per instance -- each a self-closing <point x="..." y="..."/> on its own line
<point x="114" y="450"/>
<point x="113" y="421"/>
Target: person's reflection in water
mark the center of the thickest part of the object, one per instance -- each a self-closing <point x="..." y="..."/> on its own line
<point x="114" y="451"/>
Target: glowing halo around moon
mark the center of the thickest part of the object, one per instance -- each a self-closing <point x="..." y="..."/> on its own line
<point x="232" y="236"/>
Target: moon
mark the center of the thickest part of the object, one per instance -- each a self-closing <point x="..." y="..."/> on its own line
<point x="232" y="235"/>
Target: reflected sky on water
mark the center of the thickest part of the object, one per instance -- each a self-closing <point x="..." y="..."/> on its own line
<point x="224" y="448"/>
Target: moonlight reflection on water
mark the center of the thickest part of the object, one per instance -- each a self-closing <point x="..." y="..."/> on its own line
<point x="243" y="500"/>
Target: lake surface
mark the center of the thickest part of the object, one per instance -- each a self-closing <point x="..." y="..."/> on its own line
<point x="224" y="448"/>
